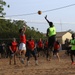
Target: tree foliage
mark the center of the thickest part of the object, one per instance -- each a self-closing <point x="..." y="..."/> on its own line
<point x="10" y="29"/>
<point x="2" y="4"/>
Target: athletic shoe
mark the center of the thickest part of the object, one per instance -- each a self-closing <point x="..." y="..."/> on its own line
<point x="48" y="59"/>
<point x="12" y="55"/>
<point x="22" y="61"/>
<point x="36" y="62"/>
<point x="27" y="63"/>
<point x="73" y="63"/>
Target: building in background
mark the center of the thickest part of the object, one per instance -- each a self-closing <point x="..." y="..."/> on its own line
<point x="62" y="36"/>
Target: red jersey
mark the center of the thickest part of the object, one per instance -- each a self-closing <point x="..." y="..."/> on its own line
<point x="56" y="45"/>
<point x="23" y="38"/>
<point x="40" y="44"/>
<point x="46" y="44"/>
<point x="31" y="44"/>
<point x="14" y="46"/>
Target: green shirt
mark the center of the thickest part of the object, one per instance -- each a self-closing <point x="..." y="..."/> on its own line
<point x="73" y="44"/>
<point x="52" y="31"/>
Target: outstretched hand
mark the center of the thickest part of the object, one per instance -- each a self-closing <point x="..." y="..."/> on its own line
<point x="46" y="17"/>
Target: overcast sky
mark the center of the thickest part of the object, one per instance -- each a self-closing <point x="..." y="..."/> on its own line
<point x="63" y="19"/>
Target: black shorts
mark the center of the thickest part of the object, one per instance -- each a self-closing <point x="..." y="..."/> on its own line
<point x="72" y="52"/>
<point x="51" y="41"/>
<point x="1" y="50"/>
<point x="29" y="52"/>
<point x="55" y="51"/>
<point x="39" y="49"/>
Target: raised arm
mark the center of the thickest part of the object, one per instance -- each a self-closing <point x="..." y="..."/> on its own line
<point x="47" y="19"/>
<point x="50" y="23"/>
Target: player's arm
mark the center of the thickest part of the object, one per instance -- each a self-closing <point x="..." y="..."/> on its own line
<point x="47" y="19"/>
<point x="10" y="48"/>
<point x="47" y="32"/>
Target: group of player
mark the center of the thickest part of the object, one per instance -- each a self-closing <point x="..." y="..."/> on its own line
<point x="47" y="48"/>
<point x="28" y="47"/>
<point x="37" y="49"/>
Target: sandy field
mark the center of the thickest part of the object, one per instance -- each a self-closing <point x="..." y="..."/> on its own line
<point x="53" y="67"/>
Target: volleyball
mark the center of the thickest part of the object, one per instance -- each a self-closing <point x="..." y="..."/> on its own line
<point x="39" y="12"/>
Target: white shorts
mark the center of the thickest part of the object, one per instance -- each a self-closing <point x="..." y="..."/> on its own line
<point x="22" y="46"/>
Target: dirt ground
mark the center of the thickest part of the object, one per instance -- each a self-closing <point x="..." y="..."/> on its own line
<point x="53" y="67"/>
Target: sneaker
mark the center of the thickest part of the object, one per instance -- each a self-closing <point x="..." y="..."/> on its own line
<point x="73" y="63"/>
<point x="36" y="62"/>
<point x="27" y="63"/>
<point x="22" y="61"/>
<point x="12" y="55"/>
<point x="48" y="59"/>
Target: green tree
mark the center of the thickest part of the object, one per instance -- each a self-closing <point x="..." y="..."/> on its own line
<point x="10" y="29"/>
<point x="19" y="23"/>
<point x="2" y="4"/>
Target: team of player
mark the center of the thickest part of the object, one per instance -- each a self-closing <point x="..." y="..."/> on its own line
<point x="28" y="47"/>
